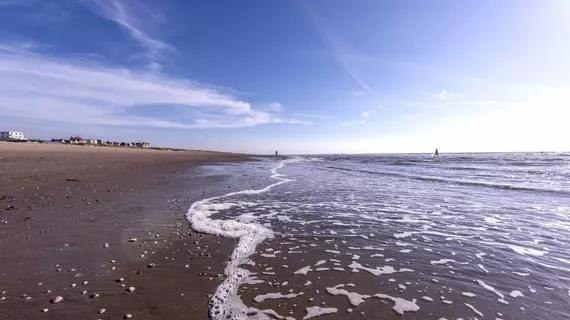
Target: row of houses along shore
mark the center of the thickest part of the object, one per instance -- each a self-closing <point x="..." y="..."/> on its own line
<point x="82" y="141"/>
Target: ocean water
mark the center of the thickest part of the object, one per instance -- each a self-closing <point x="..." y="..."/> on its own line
<point x="462" y="236"/>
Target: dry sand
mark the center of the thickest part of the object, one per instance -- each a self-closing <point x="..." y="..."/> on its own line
<point x="67" y="214"/>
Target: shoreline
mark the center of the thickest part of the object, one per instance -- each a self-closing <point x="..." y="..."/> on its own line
<point x="59" y="208"/>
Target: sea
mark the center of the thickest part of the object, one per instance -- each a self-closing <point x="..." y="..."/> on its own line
<point x="401" y="236"/>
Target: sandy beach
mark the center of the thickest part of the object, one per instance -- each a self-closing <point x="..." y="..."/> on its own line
<point x="88" y="223"/>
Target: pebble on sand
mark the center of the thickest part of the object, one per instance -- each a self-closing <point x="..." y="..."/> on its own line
<point x="102" y="310"/>
<point x="120" y="280"/>
<point x="106" y="245"/>
<point x="56" y="299"/>
<point x="128" y="316"/>
<point x="131" y="289"/>
<point x="45" y="310"/>
<point x="132" y="239"/>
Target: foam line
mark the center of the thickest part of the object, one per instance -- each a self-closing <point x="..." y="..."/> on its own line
<point x="225" y="303"/>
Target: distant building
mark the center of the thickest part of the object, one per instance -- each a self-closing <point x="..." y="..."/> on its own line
<point x="12" y="135"/>
<point x="77" y="140"/>
<point x="92" y="141"/>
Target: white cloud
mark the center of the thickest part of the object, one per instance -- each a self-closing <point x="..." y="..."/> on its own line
<point x="380" y="107"/>
<point x="312" y="116"/>
<point x="353" y="123"/>
<point x="359" y="93"/>
<point x="366" y="114"/>
<point x="443" y="94"/>
<point x="135" y="19"/>
<point x="342" y="52"/>
<point x="274" y="107"/>
<point x="479" y="102"/>
<point x="48" y="89"/>
<point x="9" y="3"/>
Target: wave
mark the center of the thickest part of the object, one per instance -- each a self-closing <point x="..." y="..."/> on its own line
<point x="455" y="182"/>
<point x="225" y="302"/>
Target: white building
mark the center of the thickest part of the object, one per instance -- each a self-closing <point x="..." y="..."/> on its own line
<point x="11" y="135"/>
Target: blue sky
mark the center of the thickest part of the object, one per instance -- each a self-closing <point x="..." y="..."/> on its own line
<point x="300" y="76"/>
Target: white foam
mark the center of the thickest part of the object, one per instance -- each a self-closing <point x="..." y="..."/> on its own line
<point x="477" y="312"/>
<point x="534" y="291"/>
<point x="377" y="255"/>
<point x="303" y="270"/>
<point x="426" y="298"/>
<point x="405" y="250"/>
<point x="561" y="260"/>
<point x="490" y="288"/>
<point x="492" y="220"/>
<point x="527" y="251"/>
<point x="318" y="311"/>
<point x="252" y="281"/>
<point x="403" y="235"/>
<point x="442" y="261"/>
<point x="378" y="271"/>
<point x="483" y="268"/>
<point x="320" y="262"/>
<point x="480" y="255"/>
<point x="468" y="294"/>
<point x="515" y="294"/>
<point x="400" y="305"/>
<point x="333" y="251"/>
<point x="274" y="296"/>
<point x="225" y="302"/>
<point x="355" y="298"/>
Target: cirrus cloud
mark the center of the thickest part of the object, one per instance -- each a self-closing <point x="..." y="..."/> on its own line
<point x="41" y="87"/>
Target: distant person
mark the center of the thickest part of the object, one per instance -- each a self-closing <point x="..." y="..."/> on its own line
<point x="436" y="154"/>
<point x="276" y="153"/>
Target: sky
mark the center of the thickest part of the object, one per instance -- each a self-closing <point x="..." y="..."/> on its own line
<point x="298" y="76"/>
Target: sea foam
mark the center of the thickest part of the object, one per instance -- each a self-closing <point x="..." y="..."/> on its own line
<point x="225" y="302"/>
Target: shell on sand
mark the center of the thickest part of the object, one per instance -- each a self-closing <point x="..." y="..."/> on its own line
<point x="57" y="299"/>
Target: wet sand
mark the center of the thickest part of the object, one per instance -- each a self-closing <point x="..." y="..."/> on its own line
<point x="87" y="223"/>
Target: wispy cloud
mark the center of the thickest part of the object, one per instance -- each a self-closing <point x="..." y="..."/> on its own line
<point x="456" y="99"/>
<point x="274" y="107"/>
<point x="312" y="116"/>
<point x="137" y="20"/>
<point x="353" y="123"/>
<point x="341" y="50"/>
<point x="478" y="102"/>
<point x="10" y="3"/>
<point x="45" y="88"/>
